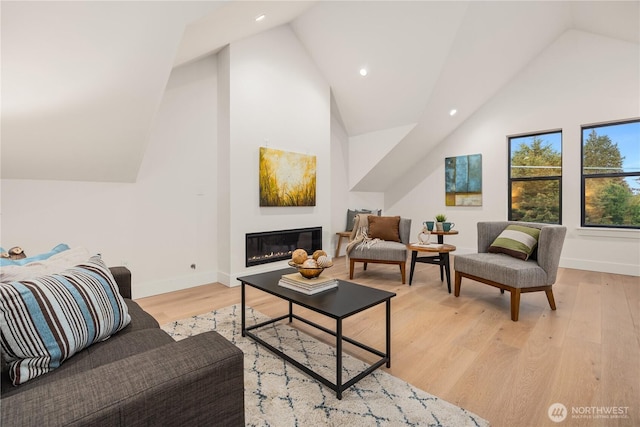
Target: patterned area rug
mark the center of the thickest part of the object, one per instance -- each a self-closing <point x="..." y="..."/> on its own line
<point x="278" y="394"/>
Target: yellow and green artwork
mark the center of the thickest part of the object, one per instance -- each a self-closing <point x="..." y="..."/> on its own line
<point x="287" y="178"/>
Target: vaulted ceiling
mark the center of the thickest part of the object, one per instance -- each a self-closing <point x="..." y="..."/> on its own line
<point x="81" y="81"/>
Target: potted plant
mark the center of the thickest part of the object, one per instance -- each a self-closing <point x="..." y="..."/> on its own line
<point x="440" y="218"/>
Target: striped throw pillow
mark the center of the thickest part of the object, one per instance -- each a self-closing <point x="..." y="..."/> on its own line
<point x="517" y="241"/>
<point x="46" y="320"/>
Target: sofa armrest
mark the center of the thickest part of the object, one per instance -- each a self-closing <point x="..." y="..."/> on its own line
<point x="123" y="279"/>
<point x="196" y="382"/>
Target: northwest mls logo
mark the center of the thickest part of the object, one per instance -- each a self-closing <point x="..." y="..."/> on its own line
<point x="557" y="412"/>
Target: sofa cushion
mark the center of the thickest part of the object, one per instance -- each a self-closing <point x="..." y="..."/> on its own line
<point x="140" y="319"/>
<point x="517" y="241"/>
<point x="380" y="251"/>
<point x="48" y="319"/>
<point x="502" y="269"/>
<point x="384" y="228"/>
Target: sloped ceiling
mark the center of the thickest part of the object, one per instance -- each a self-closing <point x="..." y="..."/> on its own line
<point x="81" y="81"/>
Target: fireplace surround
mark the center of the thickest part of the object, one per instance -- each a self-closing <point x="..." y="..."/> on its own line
<point x="271" y="246"/>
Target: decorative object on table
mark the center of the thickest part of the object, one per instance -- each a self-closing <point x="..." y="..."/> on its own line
<point x="424" y="235"/>
<point x="447" y="226"/>
<point x="299" y="256"/>
<point x="305" y="285"/>
<point x="440" y="218"/>
<point x="287" y="178"/>
<point x="429" y="225"/>
<point x="463" y="180"/>
<point x="310" y="267"/>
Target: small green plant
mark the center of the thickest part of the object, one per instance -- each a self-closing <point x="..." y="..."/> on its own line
<point x="441" y="217"/>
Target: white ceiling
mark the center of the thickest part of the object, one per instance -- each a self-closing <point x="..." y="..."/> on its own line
<point x="87" y="77"/>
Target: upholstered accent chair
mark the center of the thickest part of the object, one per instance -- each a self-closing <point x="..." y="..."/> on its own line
<point x="533" y="273"/>
<point x="389" y="250"/>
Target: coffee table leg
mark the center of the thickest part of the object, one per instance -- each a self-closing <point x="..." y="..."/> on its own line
<point x="291" y="311"/>
<point x="414" y="256"/>
<point x="242" y="292"/>
<point x="388" y="333"/>
<point x="339" y="359"/>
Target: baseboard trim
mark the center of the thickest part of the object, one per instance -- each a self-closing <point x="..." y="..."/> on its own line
<point x="157" y="287"/>
<point x="602" y="267"/>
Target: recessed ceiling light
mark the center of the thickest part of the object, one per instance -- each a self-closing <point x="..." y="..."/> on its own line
<point x="453" y="112"/>
<point x="363" y="72"/>
<point x="260" y="17"/>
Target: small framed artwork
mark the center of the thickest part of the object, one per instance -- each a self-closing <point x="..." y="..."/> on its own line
<point x="463" y="180"/>
<point x="287" y="178"/>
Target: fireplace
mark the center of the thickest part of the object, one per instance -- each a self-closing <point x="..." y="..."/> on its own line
<point x="272" y="246"/>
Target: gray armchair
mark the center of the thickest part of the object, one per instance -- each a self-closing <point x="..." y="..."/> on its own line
<point x="382" y="251"/>
<point x="505" y="272"/>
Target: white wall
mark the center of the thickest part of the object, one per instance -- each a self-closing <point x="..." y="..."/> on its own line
<point x="341" y="198"/>
<point x="339" y="177"/>
<point x="158" y="226"/>
<point x="277" y="98"/>
<point x="366" y="150"/>
<point x="580" y="79"/>
<point x="176" y="189"/>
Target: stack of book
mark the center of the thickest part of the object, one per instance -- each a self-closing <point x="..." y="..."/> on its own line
<point x="307" y="286"/>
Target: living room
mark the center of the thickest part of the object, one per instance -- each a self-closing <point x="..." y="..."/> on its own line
<point x="179" y="219"/>
<point x="191" y="202"/>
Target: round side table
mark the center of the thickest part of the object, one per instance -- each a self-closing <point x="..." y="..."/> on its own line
<point x="442" y="258"/>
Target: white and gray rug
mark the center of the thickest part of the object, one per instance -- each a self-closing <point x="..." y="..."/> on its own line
<point x="277" y="394"/>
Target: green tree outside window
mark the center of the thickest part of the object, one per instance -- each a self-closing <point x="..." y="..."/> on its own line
<point x="535" y="178"/>
<point x="611" y="175"/>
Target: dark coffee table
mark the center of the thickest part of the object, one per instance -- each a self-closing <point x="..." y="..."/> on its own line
<point x="337" y="303"/>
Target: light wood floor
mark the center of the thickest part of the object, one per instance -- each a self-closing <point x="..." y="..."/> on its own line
<point x="467" y="351"/>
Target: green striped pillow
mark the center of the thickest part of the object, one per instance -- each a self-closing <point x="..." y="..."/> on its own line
<point x="517" y="241"/>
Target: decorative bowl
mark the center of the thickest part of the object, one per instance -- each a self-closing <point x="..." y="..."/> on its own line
<point x="307" y="272"/>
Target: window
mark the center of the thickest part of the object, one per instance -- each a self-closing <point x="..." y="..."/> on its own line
<point x="535" y="177"/>
<point x="611" y="175"/>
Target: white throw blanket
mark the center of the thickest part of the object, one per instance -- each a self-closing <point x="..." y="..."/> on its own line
<point x="359" y="238"/>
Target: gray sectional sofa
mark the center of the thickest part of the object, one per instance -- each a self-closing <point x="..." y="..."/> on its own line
<point x="139" y="376"/>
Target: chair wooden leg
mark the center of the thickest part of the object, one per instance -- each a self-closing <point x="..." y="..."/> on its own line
<point x="351" y="267"/>
<point x="458" y="281"/>
<point x="403" y="272"/>
<point x="552" y="301"/>
<point x="515" y="304"/>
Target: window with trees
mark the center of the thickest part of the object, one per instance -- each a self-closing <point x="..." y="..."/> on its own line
<point x="611" y="175"/>
<point x="535" y="177"/>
